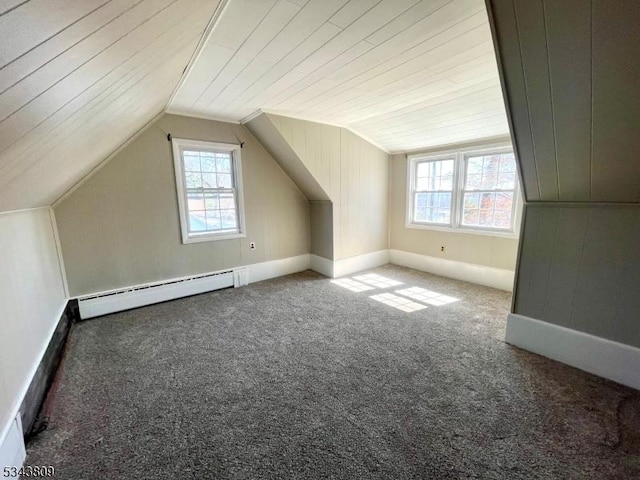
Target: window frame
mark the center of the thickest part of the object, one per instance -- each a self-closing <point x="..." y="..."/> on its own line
<point x="178" y="146"/>
<point x="460" y="156"/>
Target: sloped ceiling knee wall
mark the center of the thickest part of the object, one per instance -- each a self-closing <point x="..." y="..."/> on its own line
<point x="570" y="72"/>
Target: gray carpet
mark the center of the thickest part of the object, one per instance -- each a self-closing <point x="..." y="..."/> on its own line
<point x="300" y="378"/>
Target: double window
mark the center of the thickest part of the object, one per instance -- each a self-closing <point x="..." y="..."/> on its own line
<point x="472" y="189"/>
<point x="209" y="186"/>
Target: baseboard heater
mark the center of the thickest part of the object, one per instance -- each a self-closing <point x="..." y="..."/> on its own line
<point x="141" y="295"/>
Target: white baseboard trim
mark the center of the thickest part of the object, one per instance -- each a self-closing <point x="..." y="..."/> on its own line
<point x="277" y="268"/>
<point x="605" y="358"/>
<point x="468" y="272"/>
<point x="347" y="266"/>
<point x="12" y="449"/>
<point x="322" y="265"/>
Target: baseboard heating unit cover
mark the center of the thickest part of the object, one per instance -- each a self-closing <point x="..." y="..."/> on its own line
<point x="141" y="295"/>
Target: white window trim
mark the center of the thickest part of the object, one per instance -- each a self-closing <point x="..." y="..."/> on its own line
<point x="459" y="154"/>
<point x="179" y="144"/>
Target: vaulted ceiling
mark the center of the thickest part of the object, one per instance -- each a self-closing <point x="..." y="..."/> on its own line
<point x="80" y="77"/>
<point x="406" y="74"/>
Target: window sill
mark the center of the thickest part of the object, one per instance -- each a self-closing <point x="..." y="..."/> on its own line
<point x="466" y="231"/>
<point x="212" y="237"/>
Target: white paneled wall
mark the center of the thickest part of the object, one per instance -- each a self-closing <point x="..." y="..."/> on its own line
<point x="353" y="173"/>
<point x="32" y="296"/>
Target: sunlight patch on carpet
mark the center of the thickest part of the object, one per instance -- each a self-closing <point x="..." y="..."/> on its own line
<point x="377" y="281"/>
<point x="427" y="296"/>
<point x="400" y="303"/>
<point x="352" y="285"/>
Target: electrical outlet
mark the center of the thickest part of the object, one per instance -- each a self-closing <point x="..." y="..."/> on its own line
<point x="252" y="245"/>
<point x="442" y="248"/>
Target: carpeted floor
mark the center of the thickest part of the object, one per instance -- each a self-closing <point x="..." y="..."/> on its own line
<point x="299" y="377"/>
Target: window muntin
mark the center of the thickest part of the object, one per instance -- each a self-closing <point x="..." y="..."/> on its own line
<point x="470" y="190"/>
<point x="209" y="190"/>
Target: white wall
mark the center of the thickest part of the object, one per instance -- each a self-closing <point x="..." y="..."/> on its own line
<point x="32" y="297"/>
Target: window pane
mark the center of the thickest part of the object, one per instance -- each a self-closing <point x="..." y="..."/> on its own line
<point x="434" y="176"/>
<point x="474" y="165"/>
<point x="430" y="215"/>
<point x="209" y="180"/>
<point x="228" y="219"/>
<point x="446" y="182"/>
<point x="471" y="200"/>
<point x="213" y="219"/>
<point x="487" y="200"/>
<point x="420" y="214"/>
<point x="504" y="201"/>
<point x="423" y="169"/>
<point x="491" y="172"/>
<point x="224" y="180"/>
<point x="197" y="222"/>
<point x="191" y="161"/>
<point x="195" y="201"/>
<point x="211" y="201"/>
<point x="489" y="180"/>
<point x="444" y="201"/>
<point x="447" y="168"/>
<point x="227" y="201"/>
<point x="474" y="182"/>
<point x="193" y="179"/>
<point x="488" y="209"/>
<point x="432" y="207"/>
<point x="428" y="200"/>
<point x="443" y="216"/>
<point x="223" y="162"/>
<point x="208" y="162"/>
<point x="507" y="180"/>
<point x="486" y="218"/>
<point x="424" y="184"/>
<point x="507" y="163"/>
<point x="470" y="217"/>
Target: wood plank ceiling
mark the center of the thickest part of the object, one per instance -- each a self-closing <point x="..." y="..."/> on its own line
<point x="78" y="78"/>
<point x="406" y="74"/>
